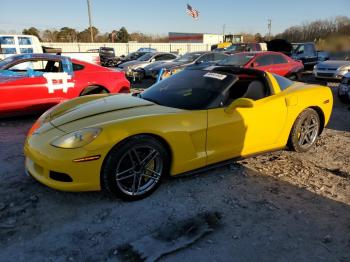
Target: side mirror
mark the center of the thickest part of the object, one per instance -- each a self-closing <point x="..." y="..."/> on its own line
<point x="240" y="103"/>
<point x="254" y="64"/>
<point x="199" y="62"/>
<point x="152" y="60"/>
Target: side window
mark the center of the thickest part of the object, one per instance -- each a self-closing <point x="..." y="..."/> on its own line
<point x="278" y="59"/>
<point x="8" y="50"/>
<point x="263" y="60"/>
<point x="24" y="40"/>
<point x="207" y="58"/>
<point x="300" y="50"/>
<point x="283" y="82"/>
<point x="218" y="56"/>
<point x="7" y="40"/>
<point x="49" y="66"/>
<point x="77" y="67"/>
<point x="169" y="57"/>
<point x="160" y="57"/>
<point x="26" y="50"/>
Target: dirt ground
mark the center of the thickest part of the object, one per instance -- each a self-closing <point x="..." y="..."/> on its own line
<point x="281" y="206"/>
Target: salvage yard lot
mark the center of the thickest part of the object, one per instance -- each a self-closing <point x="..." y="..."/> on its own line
<point x="281" y="206"/>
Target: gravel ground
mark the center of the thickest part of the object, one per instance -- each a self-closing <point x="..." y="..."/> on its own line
<point x="280" y="206"/>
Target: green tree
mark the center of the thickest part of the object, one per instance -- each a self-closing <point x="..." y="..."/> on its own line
<point x="32" y="31"/>
<point x="122" y="35"/>
<point x="67" y="34"/>
<point x="85" y="36"/>
<point x="258" y="38"/>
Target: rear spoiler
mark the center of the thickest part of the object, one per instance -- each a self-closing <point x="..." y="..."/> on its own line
<point x="52" y="50"/>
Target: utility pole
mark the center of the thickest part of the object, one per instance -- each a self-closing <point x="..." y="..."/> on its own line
<point x="269" y="22"/>
<point x="90" y="21"/>
<point x="223" y="33"/>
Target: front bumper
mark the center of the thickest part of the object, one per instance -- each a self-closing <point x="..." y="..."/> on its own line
<point x="329" y="74"/>
<point x="43" y="162"/>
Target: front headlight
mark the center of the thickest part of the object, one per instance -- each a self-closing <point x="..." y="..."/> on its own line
<point x="345" y="68"/>
<point x="77" y="139"/>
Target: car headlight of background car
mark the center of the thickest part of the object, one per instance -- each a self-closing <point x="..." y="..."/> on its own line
<point x="344" y="68"/>
<point x="77" y="139"/>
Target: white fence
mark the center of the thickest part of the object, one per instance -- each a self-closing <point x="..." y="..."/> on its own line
<point x="126" y="48"/>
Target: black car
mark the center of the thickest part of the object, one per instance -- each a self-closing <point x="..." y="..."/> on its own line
<point x="107" y="57"/>
<point x="305" y="52"/>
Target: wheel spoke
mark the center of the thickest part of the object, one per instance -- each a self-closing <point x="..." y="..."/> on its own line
<point x="139" y="184"/>
<point x="302" y="138"/>
<point x="152" y="155"/>
<point x="154" y="175"/>
<point x="133" y="191"/>
<point x="125" y="177"/>
<point x="125" y="171"/>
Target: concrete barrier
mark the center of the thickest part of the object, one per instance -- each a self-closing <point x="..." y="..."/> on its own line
<point x="126" y="48"/>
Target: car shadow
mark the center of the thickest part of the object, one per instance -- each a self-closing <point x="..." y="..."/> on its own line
<point x="263" y="219"/>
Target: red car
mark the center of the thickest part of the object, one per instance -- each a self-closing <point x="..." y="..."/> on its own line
<point x="269" y="61"/>
<point x="34" y="82"/>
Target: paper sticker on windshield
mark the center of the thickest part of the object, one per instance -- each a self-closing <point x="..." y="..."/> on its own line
<point x="215" y="75"/>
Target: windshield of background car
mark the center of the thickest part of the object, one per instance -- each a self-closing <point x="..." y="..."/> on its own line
<point x="189" y="57"/>
<point x="6" y="61"/>
<point x="237" y="59"/>
<point x="283" y="82"/>
<point x="146" y="57"/>
<point x="236" y="48"/>
<point x="189" y="89"/>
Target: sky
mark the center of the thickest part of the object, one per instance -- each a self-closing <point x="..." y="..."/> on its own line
<point x="163" y="16"/>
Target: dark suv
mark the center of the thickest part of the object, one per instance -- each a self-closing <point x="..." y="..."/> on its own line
<point x="305" y="52"/>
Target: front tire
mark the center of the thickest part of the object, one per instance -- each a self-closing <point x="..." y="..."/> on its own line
<point x="305" y="131"/>
<point x="135" y="167"/>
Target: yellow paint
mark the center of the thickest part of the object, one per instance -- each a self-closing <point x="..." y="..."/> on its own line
<point x="195" y="138"/>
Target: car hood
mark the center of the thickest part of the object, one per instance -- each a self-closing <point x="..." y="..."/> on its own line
<point x="155" y="65"/>
<point x="96" y="110"/>
<point x="335" y="64"/>
<point x="133" y="63"/>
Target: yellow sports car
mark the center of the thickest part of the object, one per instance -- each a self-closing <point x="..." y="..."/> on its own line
<point x="192" y="120"/>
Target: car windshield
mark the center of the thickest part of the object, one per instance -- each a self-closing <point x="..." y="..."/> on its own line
<point x="134" y="55"/>
<point x="189" y="89"/>
<point x="237" y="59"/>
<point x="236" y="47"/>
<point x="189" y="57"/>
<point x="6" y="61"/>
<point x="146" y="57"/>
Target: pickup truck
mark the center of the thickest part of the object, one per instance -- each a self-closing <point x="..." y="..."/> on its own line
<point x="305" y="52"/>
<point x="27" y="44"/>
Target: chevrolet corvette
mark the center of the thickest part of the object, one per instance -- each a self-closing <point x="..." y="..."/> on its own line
<point x="197" y="118"/>
<point x="35" y="82"/>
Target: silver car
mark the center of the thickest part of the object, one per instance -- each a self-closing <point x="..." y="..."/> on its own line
<point x="148" y="58"/>
<point x="331" y="69"/>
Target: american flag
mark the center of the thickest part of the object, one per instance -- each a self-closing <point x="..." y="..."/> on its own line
<point x="192" y="12"/>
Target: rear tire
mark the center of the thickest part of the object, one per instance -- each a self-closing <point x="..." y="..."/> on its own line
<point x="304" y="131"/>
<point x="93" y="90"/>
<point x="134" y="168"/>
